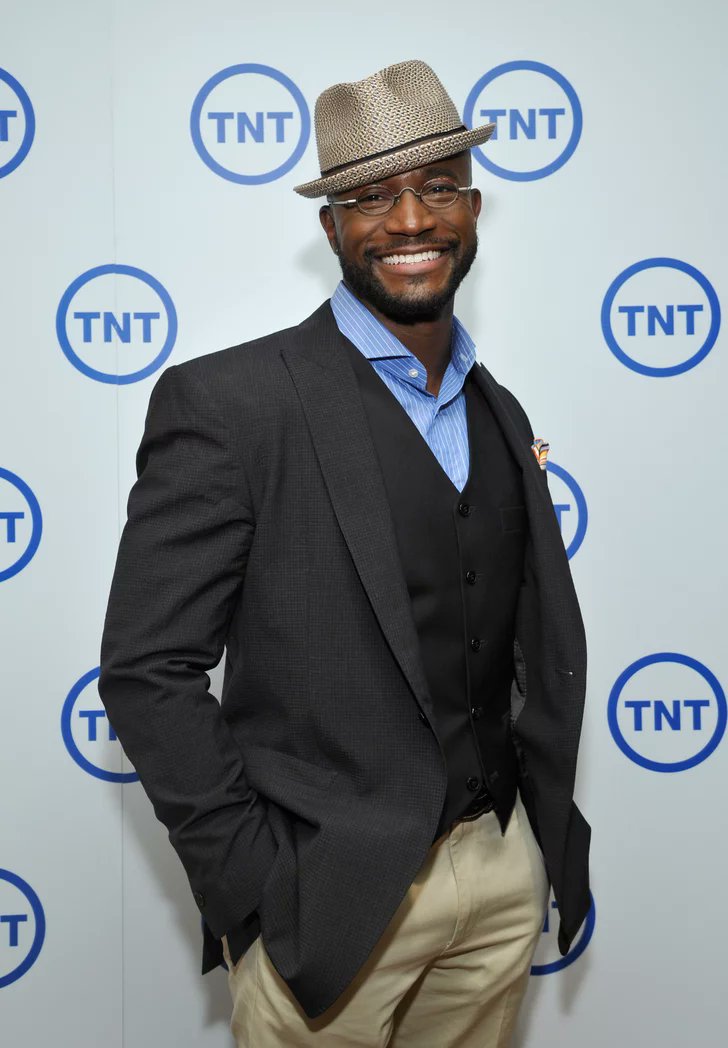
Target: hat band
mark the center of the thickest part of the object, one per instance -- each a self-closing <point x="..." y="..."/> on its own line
<point x="395" y="149"/>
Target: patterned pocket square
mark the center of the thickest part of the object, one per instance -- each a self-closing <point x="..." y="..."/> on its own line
<point x="540" y="449"/>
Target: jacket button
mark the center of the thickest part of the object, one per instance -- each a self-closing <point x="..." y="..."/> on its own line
<point x="475" y="643"/>
<point x="464" y="509"/>
<point x="470" y="577"/>
<point x="473" y="783"/>
<point x="199" y="898"/>
<point x="422" y="717"/>
<point x="477" y="712"/>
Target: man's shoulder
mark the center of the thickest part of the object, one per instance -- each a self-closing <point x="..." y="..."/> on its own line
<point x="256" y="361"/>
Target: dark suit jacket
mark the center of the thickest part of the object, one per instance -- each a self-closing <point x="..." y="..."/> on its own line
<point x="308" y="799"/>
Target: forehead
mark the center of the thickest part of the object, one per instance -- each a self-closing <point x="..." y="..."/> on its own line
<point x="455" y="167"/>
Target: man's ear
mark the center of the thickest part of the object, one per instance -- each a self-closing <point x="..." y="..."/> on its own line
<point x="326" y="219"/>
<point x="476" y="201"/>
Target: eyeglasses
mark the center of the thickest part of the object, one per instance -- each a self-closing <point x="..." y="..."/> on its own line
<point x="436" y="194"/>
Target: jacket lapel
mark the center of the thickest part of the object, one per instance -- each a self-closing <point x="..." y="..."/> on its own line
<point x="544" y="525"/>
<point x="322" y="373"/>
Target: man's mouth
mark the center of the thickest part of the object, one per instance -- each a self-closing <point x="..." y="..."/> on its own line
<point x="411" y="258"/>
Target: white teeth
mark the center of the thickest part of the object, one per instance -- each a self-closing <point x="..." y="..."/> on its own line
<point x="410" y="260"/>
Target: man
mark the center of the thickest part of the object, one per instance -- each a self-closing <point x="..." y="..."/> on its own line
<point x="354" y="509"/>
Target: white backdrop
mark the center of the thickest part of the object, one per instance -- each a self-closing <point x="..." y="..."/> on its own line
<point x="610" y="153"/>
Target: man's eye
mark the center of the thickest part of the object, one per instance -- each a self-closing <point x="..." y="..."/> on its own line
<point x="437" y="188"/>
<point x="373" y="197"/>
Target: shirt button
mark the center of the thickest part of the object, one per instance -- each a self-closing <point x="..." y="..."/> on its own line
<point x="464" y="509"/>
<point x="473" y="783"/>
<point x="413" y="373"/>
<point x="475" y="643"/>
<point x="477" y="712"/>
<point x="470" y="577"/>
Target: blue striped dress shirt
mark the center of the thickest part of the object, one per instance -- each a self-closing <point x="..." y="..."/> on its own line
<point x="440" y="419"/>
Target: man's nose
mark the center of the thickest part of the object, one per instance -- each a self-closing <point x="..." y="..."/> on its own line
<point x="409" y="215"/>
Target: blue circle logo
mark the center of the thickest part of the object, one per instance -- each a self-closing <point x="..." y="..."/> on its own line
<point x="21" y="524"/>
<point x="250" y="124"/>
<point x="667" y="712"/>
<point x="660" y="317"/>
<point x="88" y="735"/>
<point x="538" y="120"/>
<point x="17" y="123"/>
<point x="547" y="958"/>
<point x="22" y="927"/>
<point x="570" y="507"/>
<point x="116" y="324"/>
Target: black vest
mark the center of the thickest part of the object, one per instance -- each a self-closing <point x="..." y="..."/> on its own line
<point x="462" y="557"/>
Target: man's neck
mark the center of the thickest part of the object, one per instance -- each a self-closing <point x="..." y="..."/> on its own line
<point x="428" y="340"/>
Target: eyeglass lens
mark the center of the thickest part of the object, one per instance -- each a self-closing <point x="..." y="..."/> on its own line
<point x="436" y="193"/>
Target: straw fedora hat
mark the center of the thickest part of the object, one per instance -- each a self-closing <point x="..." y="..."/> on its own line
<point x="395" y="120"/>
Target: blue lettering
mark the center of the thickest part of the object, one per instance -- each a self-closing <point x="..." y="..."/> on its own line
<point x="123" y="330"/>
<point x="667" y="323"/>
<point x="93" y="717"/>
<point x="221" y="118"/>
<point x="86" y="319"/>
<point x="6" y="115"/>
<point x="257" y="130"/>
<point x="491" y="116"/>
<point x="13" y="920"/>
<point x="689" y="312"/>
<point x="662" y="713"/>
<point x="638" y="705"/>
<point x="551" y="115"/>
<point x="516" y="121"/>
<point x="696" y="705"/>
<point x="631" y="312"/>
<point x="561" y="508"/>
<point x="10" y="519"/>
<point x="146" y="319"/>
<point x="280" y="125"/>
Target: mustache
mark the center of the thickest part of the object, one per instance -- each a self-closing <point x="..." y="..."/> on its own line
<point x="421" y="244"/>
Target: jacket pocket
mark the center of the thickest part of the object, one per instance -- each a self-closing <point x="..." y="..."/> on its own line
<point x="265" y="767"/>
<point x="513" y="518"/>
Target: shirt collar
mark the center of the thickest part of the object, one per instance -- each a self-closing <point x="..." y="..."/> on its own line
<point x="375" y="341"/>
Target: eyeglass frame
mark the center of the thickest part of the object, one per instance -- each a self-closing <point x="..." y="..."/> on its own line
<point x="396" y="197"/>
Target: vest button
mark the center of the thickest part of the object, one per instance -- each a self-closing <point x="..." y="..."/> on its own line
<point x="477" y="712"/>
<point x="472" y="783"/>
<point x="464" y="509"/>
<point x="470" y="577"/>
<point x="475" y="643"/>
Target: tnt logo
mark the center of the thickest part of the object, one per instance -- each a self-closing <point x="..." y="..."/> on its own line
<point x="22" y="927"/>
<point x="116" y="324"/>
<point x="250" y="124"/>
<point x="570" y="506"/>
<point x="21" y="524"/>
<point x="537" y="116"/>
<point x="88" y="735"/>
<point x="660" y="317"/>
<point x="17" y="123"/>
<point x="667" y="712"/>
<point x="547" y="958"/>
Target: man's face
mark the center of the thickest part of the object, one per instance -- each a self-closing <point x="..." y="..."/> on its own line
<point x="373" y="249"/>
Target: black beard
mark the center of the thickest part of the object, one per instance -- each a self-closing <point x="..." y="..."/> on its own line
<point x="365" y="285"/>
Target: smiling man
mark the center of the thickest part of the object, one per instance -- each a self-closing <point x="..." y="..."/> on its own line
<point x="357" y="513"/>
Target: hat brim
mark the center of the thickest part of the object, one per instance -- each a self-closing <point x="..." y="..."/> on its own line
<point x="396" y="162"/>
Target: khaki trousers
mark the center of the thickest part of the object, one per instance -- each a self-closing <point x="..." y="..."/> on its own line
<point x="450" y="969"/>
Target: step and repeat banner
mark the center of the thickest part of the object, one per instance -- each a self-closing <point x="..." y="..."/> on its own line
<point x="147" y="156"/>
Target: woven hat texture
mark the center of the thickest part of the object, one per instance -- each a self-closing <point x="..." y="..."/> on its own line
<point x="393" y="121"/>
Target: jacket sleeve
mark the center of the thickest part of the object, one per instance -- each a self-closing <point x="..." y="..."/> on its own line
<point x="179" y="573"/>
